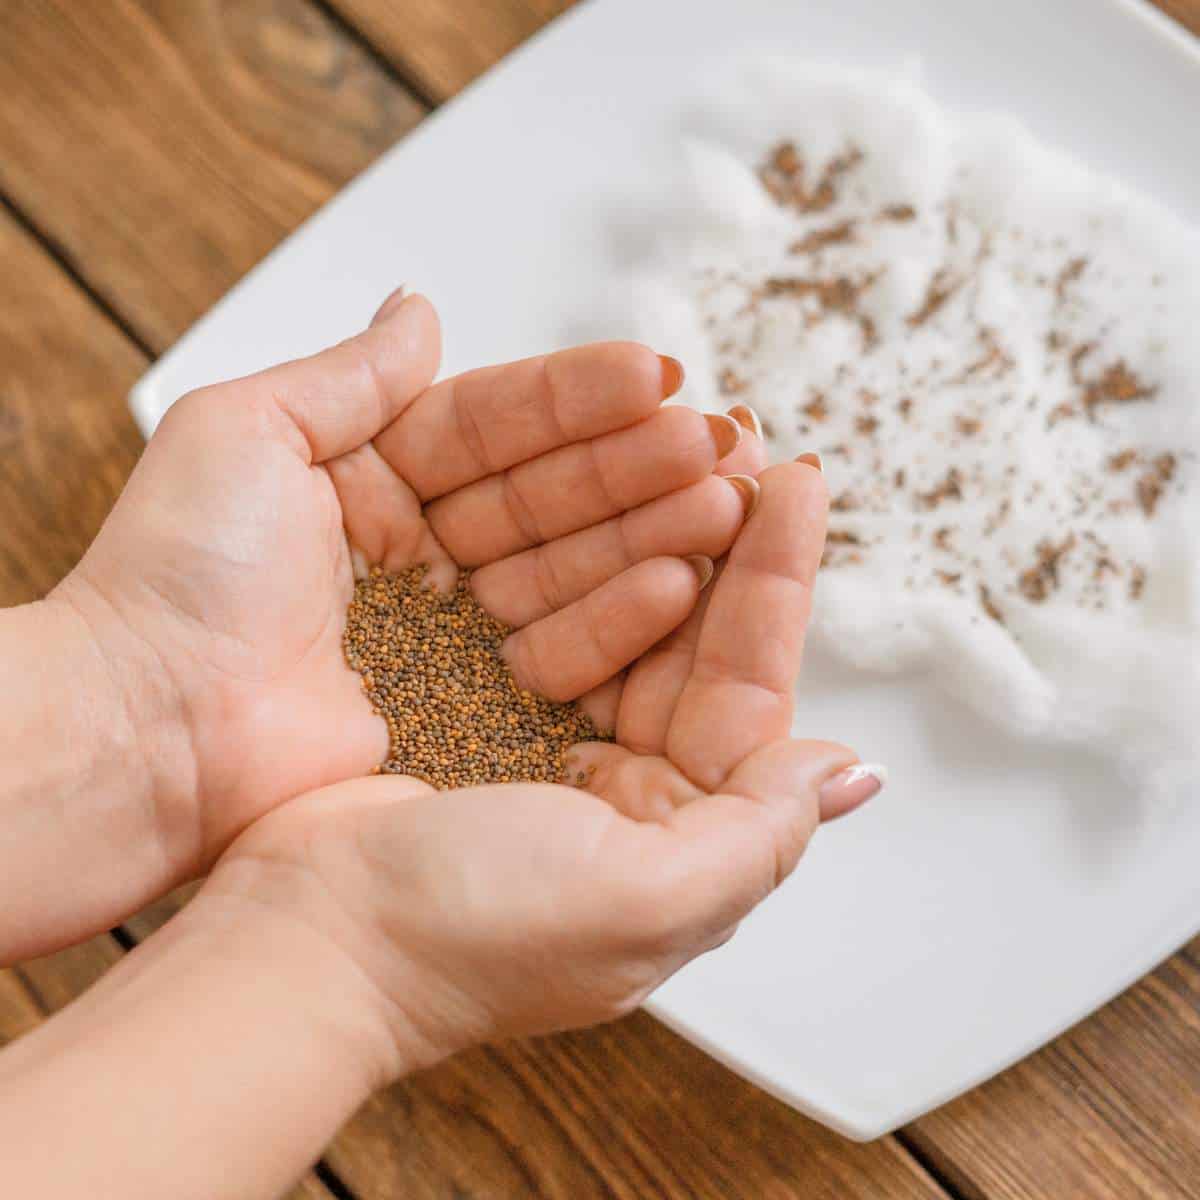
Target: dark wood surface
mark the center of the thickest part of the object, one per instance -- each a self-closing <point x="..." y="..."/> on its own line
<point x="439" y="46"/>
<point x="150" y="153"/>
<point x="164" y="147"/>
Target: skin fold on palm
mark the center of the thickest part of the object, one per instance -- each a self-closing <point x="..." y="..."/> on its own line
<point x="226" y="567"/>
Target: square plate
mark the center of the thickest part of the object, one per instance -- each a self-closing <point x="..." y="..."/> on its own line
<point x="998" y="892"/>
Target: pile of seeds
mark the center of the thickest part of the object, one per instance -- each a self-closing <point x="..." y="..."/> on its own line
<point x="431" y="667"/>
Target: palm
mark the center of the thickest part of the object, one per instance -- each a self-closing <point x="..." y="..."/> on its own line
<point x="545" y="478"/>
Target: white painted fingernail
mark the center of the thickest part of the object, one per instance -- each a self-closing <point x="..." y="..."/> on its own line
<point x="845" y="791"/>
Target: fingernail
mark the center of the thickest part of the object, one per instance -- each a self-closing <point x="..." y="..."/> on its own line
<point x="846" y="790"/>
<point x="390" y="305"/>
<point x="703" y="566"/>
<point x="358" y="562"/>
<point x="747" y="418"/>
<point x="811" y="459"/>
<point x="748" y="491"/>
<point x="726" y="433"/>
<point x="672" y="375"/>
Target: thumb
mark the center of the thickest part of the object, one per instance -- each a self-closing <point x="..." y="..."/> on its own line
<point x="342" y="397"/>
<point x="735" y="847"/>
<point x="389" y="306"/>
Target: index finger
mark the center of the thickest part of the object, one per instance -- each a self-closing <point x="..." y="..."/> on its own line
<point x="483" y="422"/>
<point x="738" y="695"/>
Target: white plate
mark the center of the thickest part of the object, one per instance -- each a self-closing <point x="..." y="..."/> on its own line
<point x="996" y="893"/>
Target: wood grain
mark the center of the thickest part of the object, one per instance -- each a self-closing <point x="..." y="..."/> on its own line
<point x="442" y="46"/>
<point x="629" y="1110"/>
<point x="1110" y="1111"/>
<point x="19" y="1012"/>
<point x="165" y="148"/>
<point x="625" y="1111"/>
<point x="38" y="989"/>
<point x="67" y="442"/>
<point x="1186" y="12"/>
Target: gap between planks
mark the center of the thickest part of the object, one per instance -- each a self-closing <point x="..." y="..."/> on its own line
<point x="58" y="255"/>
<point x="397" y="71"/>
<point x="939" y="1177"/>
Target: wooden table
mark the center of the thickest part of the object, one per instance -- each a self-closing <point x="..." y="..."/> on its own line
<point x="151" y="151"/>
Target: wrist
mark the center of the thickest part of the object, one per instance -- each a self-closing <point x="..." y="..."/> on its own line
<point x="295" y="977"/>
<point x="323" y="949"/>
<point x="234" y="1034"/>
<point x="80" y="792"/>
<point x="139" y="724"/>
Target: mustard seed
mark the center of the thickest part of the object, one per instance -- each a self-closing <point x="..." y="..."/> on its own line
<point x="431" y="667"/>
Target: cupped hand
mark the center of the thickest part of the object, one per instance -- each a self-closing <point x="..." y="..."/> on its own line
<point x="525" y="908"/>
<point x="228" y="563"/>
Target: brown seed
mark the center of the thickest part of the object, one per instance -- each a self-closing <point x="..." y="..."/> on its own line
<point x="455" y="715"/>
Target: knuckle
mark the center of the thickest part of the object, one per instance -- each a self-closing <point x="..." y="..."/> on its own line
<point x="469" y="431"/>
<point x="524" y="651"/>
<point x="190" y="406"/>
<point x="644" y="370"/>
<point x="681" y="424"/>
<point x="624" y="540"/>
<point x="608" y="489"/>
<point x="554" y="391"/>
<point x="601" y="630"/>
<point x="546" y="579"/>
<point x="690" y="440"/>
<point x="520" y="511"/>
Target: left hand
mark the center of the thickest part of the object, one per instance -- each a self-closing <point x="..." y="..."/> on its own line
<point x="227" y="565"/>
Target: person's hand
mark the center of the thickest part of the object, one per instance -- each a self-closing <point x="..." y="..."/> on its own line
<point x="227" y="565"/>
<point x="525" y="908"/>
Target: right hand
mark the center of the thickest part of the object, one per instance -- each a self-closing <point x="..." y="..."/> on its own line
<point x="525" y="908"/>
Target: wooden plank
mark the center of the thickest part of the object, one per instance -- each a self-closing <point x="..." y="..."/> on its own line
<point x="626" y="1111"/>
<point x="54" y="981"/>
<point x="35" y="990"/>
<point x="160" y="912"/>
<point x="1110" y="1111"/>
<point x="164" y="148"/>
<point x="629" y="1110"/>
<point x="1186" y="12"/>
<point x="442" y="46"/>
<point x="19" y="1012"/>
<point x="67" y="442"/>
